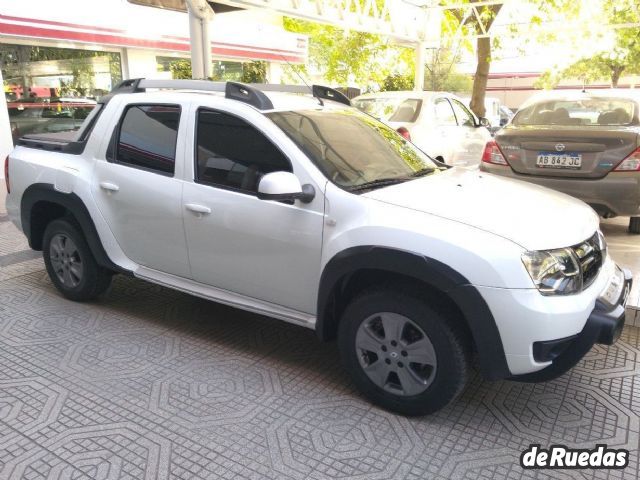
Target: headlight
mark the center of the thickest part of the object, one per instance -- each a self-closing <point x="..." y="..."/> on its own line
<point x="554" y="272"/>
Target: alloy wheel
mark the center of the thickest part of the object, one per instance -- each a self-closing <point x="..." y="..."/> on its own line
<point x="396" y="354"/>
<point x="65" y="260"/>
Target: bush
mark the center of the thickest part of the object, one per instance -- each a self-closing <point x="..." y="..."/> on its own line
<point x="396" y="82"/>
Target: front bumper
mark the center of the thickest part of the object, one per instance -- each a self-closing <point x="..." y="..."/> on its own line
<point x="603" y="326"/>
<point x="618" y="193"/>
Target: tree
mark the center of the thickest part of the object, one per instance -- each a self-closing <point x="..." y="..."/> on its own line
<point x="345" y="56"/>
<point x="612" y="63"/>
<point x="440" y="68"/>
<point x="479" y="21"/>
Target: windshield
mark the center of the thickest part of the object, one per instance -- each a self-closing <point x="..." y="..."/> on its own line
<point x="582" y="112"/>
<point x="390" y="109"/>
<point x="353" y="149"/>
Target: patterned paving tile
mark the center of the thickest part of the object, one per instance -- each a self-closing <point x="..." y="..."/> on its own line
<point x="149" y="383"/>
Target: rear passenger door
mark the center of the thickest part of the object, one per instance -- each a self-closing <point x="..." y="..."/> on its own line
<point x="447" y="134"/>
<point x="135" y="188"/>
<point x="265" y="250"/>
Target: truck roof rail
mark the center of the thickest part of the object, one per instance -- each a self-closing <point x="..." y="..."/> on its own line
<point x="247" y="93"/>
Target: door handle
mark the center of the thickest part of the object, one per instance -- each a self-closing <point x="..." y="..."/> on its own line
<point x="109" y="187"/>
<point x="198" y="209"/>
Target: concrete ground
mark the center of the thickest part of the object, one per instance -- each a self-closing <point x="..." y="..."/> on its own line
<point x="149" y="383"/>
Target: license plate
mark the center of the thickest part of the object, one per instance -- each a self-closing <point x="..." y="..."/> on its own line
<point x="559" y="160"/>
<point x="614" y="290"/>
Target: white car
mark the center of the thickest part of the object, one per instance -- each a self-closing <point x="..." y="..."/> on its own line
<point x="438" y="123"/>
<point x="310" y="211"/>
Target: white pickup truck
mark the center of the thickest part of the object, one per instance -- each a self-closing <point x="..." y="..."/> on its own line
<point x="310" y="211"/>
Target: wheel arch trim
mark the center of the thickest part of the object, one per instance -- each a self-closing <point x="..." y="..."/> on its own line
<point x="455" y="286"/>
<point x="45" y="192"/>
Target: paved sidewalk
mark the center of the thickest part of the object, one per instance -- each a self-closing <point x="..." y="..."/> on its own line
<point x="149" y="383"/>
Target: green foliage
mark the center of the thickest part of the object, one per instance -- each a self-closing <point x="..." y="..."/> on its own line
<point x="610" y="63"/>
<point x="346" y="56"/>
<point x="396" y="82"/>
<point x="180" y="69"/>
<point x="254" y="72"/>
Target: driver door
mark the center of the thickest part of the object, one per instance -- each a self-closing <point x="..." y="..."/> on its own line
<point x="262" y="249"/>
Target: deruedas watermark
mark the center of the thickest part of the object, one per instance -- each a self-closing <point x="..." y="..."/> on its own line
<point x="561" y="457"/>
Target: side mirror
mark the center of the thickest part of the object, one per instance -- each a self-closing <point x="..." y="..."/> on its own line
<point x="483" y="122"/>
<point x="284" y="186"/>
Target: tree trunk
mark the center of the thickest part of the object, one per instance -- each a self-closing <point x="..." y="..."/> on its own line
<point x="482" y="76"/>
<point x="616" y="73"/>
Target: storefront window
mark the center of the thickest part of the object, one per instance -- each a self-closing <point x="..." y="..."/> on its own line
<point x="52" y="89"/>
<point x="221" y="71"/>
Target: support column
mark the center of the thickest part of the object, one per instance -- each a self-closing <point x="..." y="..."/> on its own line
<point x="200" y="14"/>
<point x="420" y="52"/>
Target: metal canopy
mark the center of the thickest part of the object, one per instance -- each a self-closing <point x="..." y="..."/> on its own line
<point x="400" y="20"/>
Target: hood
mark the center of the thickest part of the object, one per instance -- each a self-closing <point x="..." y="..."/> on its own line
<point x="534" y="217"/>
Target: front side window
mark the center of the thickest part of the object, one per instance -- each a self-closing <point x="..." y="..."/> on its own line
<point x="352" y="149"/>
<point x="444" y="113"/>
<point x="147" y="137"/>
<point x="231" y="153"/>
<point x="464" y="116"/>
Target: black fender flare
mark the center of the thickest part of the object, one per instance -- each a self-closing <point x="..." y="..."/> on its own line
<point x="46" y="192"/>
<point x="434" y="273"/>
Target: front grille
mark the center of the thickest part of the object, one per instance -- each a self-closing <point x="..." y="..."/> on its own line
<point x="591" y="254"/>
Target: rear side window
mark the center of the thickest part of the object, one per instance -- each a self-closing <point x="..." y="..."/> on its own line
<point x="464" y="116"/>
<point x="230" y="153"/>
<point x="444" y="113"/>
<point x="581" y="111"/>
<point x="390" y="109"/>
<point x="147" y="137"/>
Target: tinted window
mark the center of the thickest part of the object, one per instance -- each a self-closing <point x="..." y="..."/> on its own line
<point x="148" y="135"/>
<point x="390" y="109"/>
<point x="444" y="113"/>
<point x="464" y="116"/>
<point x="233" y="154"/>
<point x="586" y="111"/>
<point x="352" y="148"/>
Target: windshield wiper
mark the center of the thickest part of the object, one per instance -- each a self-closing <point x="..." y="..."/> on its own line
<point x="380" y="182"/>
<point x="423" y="172"/>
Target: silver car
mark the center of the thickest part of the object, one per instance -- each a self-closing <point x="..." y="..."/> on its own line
<point x="585" y="144"/>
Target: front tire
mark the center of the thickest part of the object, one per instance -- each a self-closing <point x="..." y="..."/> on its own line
<point x="403" y="354"/>
<point x="70" y="264"/>
<point x="634" y="225"/>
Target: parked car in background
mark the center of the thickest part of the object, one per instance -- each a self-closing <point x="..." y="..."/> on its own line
<point x="438" y="123"/>
<point x="47" y="115"/>
<point x="586" y="144"/>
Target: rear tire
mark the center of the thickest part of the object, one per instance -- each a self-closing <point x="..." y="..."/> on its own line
<point x="401" y="353"/>
<point x="634" y="225"/>
<point x="70" y="263"/>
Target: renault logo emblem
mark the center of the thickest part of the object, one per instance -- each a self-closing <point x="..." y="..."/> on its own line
<point x="560" y="147"/>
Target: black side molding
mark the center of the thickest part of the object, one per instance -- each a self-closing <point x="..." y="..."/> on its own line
<point x="435" y="274"/>
<point x="45" y="192"/>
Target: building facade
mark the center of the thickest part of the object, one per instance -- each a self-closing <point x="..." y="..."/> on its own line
<point x="57" y="58"/>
